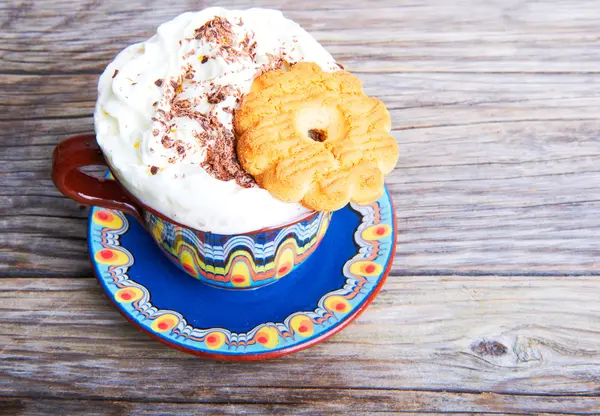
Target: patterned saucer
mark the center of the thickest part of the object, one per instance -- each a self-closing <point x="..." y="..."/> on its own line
<point x="310" y="304"/>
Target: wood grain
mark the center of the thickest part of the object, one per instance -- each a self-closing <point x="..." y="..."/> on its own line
<point x="293" y="401"/>
<point x="426" y="344"/>
<point x="389" y="35"/>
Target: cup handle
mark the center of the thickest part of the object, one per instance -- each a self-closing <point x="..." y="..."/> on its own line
<point x="77" y="152"/>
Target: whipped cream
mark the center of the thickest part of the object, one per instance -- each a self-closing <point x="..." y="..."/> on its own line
<point x="165" y="108"/>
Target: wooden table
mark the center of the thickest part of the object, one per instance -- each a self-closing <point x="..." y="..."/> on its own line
<point x="493" y="303"/>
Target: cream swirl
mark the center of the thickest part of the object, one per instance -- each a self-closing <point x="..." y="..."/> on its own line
<point x="164" y="115"/>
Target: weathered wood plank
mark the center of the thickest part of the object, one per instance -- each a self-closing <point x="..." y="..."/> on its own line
<point x="27" y="254"/>
<point x="505" y="335"/>
<point x="293" y="401"/>
<point x="436" y="35"/>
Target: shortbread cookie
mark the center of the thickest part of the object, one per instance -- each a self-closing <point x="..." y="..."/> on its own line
<point x="312" y="136"/>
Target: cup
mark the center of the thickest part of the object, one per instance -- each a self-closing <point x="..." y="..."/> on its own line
<point x="240" y="261"/>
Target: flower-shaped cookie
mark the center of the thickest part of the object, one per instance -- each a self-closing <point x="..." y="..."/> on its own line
<point x="313" y="136"/>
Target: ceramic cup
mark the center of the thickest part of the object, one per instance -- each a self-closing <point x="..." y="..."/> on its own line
<point x="238" y="261"/>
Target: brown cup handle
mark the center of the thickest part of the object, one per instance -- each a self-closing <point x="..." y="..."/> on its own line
<point x="77" y="152"/>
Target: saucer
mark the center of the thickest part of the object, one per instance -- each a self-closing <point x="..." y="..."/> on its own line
<point x="327" y="292"/>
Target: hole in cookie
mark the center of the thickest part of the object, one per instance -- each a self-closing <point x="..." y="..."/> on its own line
<point x="319" y="123"/>
<point x="317" y="135"/>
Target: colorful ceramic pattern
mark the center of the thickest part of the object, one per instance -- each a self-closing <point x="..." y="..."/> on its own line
<point x="238" y="261"/>
<point x="316" y="300"/>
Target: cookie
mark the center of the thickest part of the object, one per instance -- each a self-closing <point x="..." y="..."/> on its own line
<point x="314" y="137"/>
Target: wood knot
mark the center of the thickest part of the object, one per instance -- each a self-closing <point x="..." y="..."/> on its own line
<point x="484" y="348"/>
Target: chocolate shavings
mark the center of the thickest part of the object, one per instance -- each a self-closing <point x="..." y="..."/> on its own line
<point x="220" y="93"/>
<point x="219" y="142"/>
<point x="221" y="159"/>
<point x="275" y="63"/>
<point x="217" y="30"/>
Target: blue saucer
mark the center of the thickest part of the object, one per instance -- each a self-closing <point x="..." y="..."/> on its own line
<point x="327" y="292"/>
